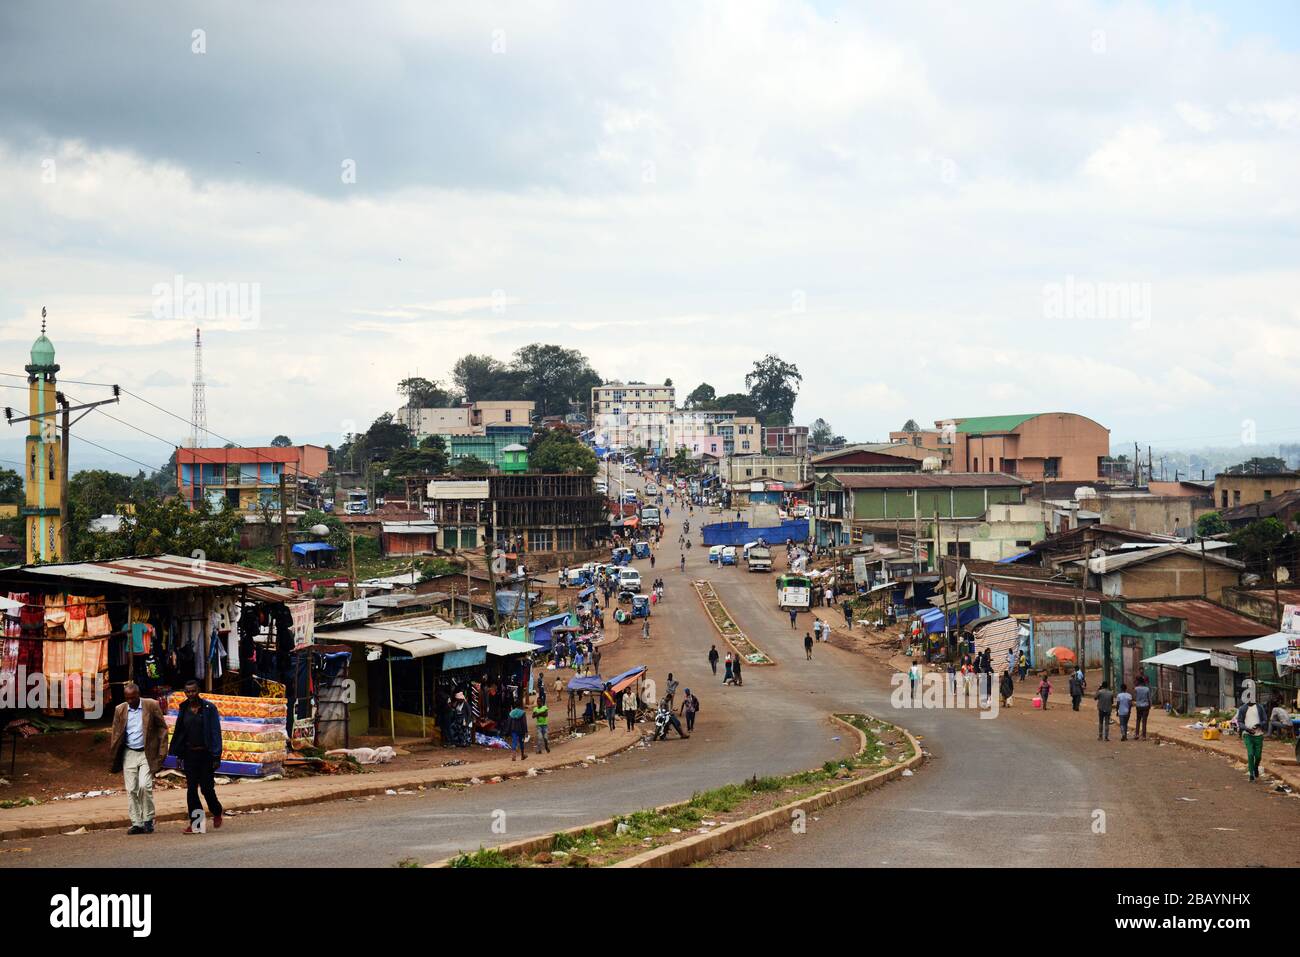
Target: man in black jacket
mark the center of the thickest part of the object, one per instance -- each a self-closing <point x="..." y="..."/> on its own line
<point x="196" y="744"/>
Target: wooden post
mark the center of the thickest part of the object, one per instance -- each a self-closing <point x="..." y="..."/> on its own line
<point x="352" y="565"/>
<point x="423" y="729"/>
<point x="392" y="705"/>
<point x="287" y="557"/>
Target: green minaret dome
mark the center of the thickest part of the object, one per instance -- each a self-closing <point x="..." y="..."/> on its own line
<point x="42" y="352"/>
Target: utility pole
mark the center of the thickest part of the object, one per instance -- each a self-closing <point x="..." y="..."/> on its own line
<point x="1205" y="574"/>
<point x="352" y="565"/>
<point x="286" y="556"/>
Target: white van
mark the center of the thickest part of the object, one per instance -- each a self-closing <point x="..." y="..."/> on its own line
<point x="629" y="579"/>
<point x="715" y="553"/>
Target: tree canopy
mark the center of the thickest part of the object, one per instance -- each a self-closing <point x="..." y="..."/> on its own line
<point x="774" y="385"/>
<point x="168" y="527"/>
<point x="700" y="396"/>
<point x="282" y="442"/>
<point x="1265" y="463"/>
<point x="821" y="432"/>
<point x="1209" y="524"/>
<point x="424" y="393"/>
<point x="911" y="426"/>
<point x="559" y="450"/>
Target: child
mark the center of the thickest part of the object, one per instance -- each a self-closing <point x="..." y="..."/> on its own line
<point x="1044" y="689"/>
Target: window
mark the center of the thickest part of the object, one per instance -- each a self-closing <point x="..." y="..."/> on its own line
<point x="1236" y="496"/>
<point x="1267" y="494"/>
<point x="749" y="473"/>
<point x="1225" y="498"/>
<point x="539" y="541"/>
<point x="509" y="415"/>
<point x="564" y="540"/>
<point x="990" y="463"/>
<point x="964" y="549"/>
<point x="1023" y="543"/>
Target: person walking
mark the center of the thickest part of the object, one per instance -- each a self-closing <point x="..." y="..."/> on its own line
<point x="1023" y="666"/>
<point x="807" y="646"/>
<point x="1252" y="720"/>
<point x="735" y="671"/>
<point x="1141" y="704"/>
<point x="726" y="674"/>
<point x="794" y="617"/>
<point x="713" y="658"/>
<point x="848" y="615"/>
<point x="671" y="689"/>
<point x="1105" y="698"/>
<point x="595" y="660"/>
<point x="682" y="563"/>
<point x="542" y="718"/>
<point x="196" y="744"/>
<point x="1123" y="707"/>
<point x="629" y="707"/>
<point x="611" y="706"/>
<point x="952" y="679"/>
<point x="690" y="708"/>
<point x="1045" y="689"/>
<point x="1076" y="691"/>
<point x="137" y="747"/>
<point x="1006" y="688"/>
<point x="517" y="725"/>
<point x="913" y="676"/>
<point x="645" y="630"/>
<point x="652" y="561"/>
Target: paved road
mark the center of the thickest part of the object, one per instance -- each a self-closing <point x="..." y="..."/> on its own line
<point x="1004" y="791"/>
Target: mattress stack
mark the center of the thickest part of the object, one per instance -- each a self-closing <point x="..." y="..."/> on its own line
<point x="252" y="733"/>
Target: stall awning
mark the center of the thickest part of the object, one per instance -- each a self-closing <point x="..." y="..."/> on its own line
<point x="1268" y="645"/>
<point x="587" y="592"/>
<point x="586" y="683"/>
<point x="306" y="548"/>
<point x="154" y="571"/>
<point x="496" y="646"/>
<point x="1177" y="658"/>
<point x="401" y="642"/>
<point x="619" y="682"/>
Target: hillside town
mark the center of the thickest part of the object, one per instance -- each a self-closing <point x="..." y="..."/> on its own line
<point x="528" y="569"/>
<point x="805" y="438"/>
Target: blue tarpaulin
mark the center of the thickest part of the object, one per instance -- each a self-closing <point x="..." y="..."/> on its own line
<point x="586" y="592"/>
<point x="539" y="631"/>
<point x="587" y="683"/>
<point x="1013" y="558"/>
<point x="740" y="533"/>
<point x="932" y="618"/>
<point x="303" y="548"/>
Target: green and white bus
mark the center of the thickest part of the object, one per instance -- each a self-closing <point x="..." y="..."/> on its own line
<point x="794" y="591"/>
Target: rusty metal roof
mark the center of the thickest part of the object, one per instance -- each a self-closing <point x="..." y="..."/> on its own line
<point x="1204" y="618"/>
<point x="162" y="572"/>
<point x="888" y="480"/>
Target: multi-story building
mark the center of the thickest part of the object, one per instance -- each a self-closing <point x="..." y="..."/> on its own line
<point x="1231" y="491"/>
<point x="245" y="478"/>
<point x="849" y="506"/>
<point x="473" y="418"/>
<point x="879" y="457"/>
<point x="741" y="436"/>
<point x="739" y="470"/>
<point x="529" y="511"/>
<point x="697" y="431"/>
<point x="490" y="447"/>
<point x="632" y="415"/>
<point x="1043" y="446"/>
<point x="786" y="440"/>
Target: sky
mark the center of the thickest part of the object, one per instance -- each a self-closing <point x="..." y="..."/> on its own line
<point x="933" y="209"/>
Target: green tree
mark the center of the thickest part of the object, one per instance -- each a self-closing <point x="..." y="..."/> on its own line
<point x="554" y="377"/>
<point x="682" y="464"/>
<point x="338" y="532"/>
<point x="168" y="527"/>
<point x="282" y="442"/>
<point x="472" y="465"/>
<point x="911" y="426"/>
<point x="1258" y="542"/>
<point x="737" y="402"/>
<point x="821" y="433"/>
<point x="483" y="378"/>
<point x="11" y="487"/>
<point x="424" y="393"/>
<point x="1210" y="524"/>
<point x="561" y="451"/>
<point x="701" y="396"/>
<point x="774" y="385"/>
<point x="1267" y="463"/>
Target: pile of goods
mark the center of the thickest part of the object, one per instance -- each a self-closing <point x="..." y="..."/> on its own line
<point x="252" y="733"/>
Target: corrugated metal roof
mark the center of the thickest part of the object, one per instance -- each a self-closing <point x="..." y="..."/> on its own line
<point x="986" y="424"/>
<point x="407" y="642"/>
<point x="1268" y="644"/>
<point x="1204" y="618"/>
<point x="1139" y="556"/>
<point x="1177" y="658"/>
<point x="164" y="572"/>
<point x="910" y="480"/>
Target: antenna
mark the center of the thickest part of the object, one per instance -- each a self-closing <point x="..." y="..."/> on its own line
<point x="199" y="406"/>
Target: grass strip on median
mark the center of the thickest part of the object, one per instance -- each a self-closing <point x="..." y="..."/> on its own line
<point x="727" y="627"/>
<point x="882" y="746"/>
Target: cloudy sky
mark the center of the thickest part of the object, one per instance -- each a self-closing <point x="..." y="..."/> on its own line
<point x="933" y="209"/>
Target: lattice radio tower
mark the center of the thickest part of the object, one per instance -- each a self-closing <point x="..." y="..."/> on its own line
<point x="199" y="405"/>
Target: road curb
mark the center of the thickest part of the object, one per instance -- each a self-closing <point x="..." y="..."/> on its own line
<point x="122" y="819"/>
<point x="1284" y="773"/>
<point x="700" y="846"/>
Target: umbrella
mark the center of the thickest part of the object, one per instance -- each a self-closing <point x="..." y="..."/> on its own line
<point x="1061" y="653"/>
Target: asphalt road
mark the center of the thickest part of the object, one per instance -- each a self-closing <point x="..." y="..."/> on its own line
<point x="1008" y="791"/>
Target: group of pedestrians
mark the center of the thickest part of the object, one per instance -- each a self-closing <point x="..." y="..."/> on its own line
<point x="1125" y="704"/>
<point x="730" y="664"/>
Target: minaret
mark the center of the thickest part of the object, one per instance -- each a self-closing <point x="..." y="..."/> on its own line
<point x="199" y="405"/>
<point x="44" y="457"/>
